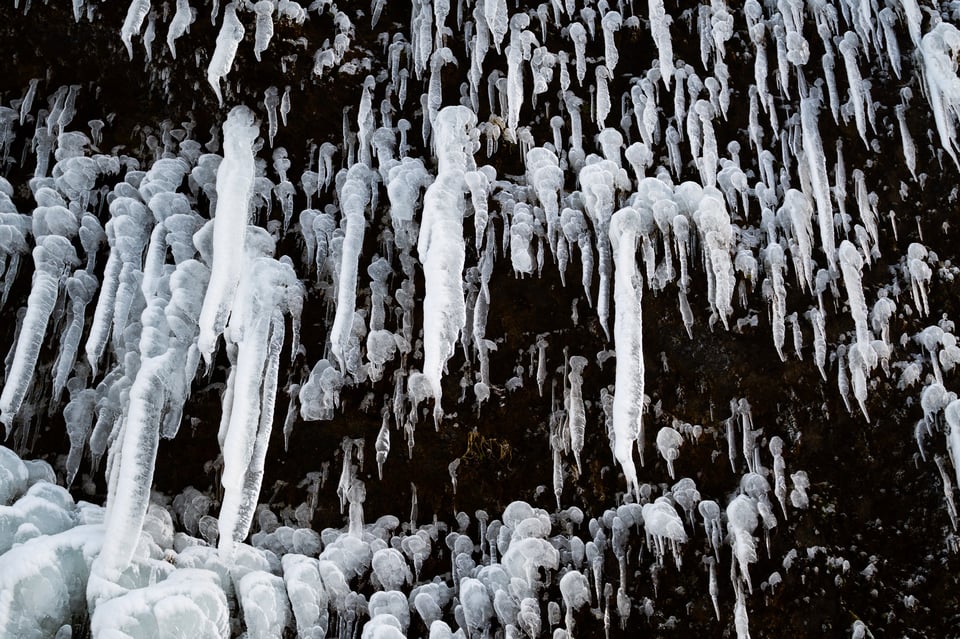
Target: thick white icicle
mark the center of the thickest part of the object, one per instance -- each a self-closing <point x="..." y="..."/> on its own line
<point x="741" y="522"/>
<point x="546" y="177"/>
<point x="517" y="51"/>
<point x="497" y="16"/>
<point x="81" y="288"/>
<point x="228" y="40"/>
<point x="576" y="411"/>
<point x="848" y="47"/>
<point x="775" y="265"/>
<point x="660" y="30"/>
<point x="234" y="195"/>
<point x="441" y="246"/>
<point x="579" y="36"/>
<point x="264" y="27"/>
<point x="179" y="24"/>
<point x="272" y="291"/>
<point x="598" y="182"/>
<point x="817" y="163"/>
<point x="127" y="233"/>
<point x="909" y="148"/>
<point x="53" y="255"/>
<point x="354" y="198"/>
<point x="939" y="49"/>
<point x="952" y="415"/>
<point x="798" y="210"/>
<point x="132" y="24"/>
<point x="154" y="406"/>
<point x="403" y="189"/>
<point x="611" y="23"/>
<point x="713" y="222"/>
<point x="920" y="274"/>
<point x="861" y="356"/>
<point x="134" y="456"/>
<point x="628" y="339"/>
<point x="888" y="22"/>
<point x="851" y="264"/>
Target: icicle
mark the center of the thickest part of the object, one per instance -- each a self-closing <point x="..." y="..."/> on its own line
<point x="81" y="288"/>
<point x="849" y="49"/>
<point x="610" y="24"/>
<point x="541" y="362"/>
<point x="668" y="444"/>
<point x="741" y="522"/>
<point x="270" y="101"/>
<point x="354" y="200"/>
<point x="660" y="31"/>
<point x="52" y="256"/>
<point x="441" y="245"/>
<point x="545" y="175"/>
<point x="775" y="265"/>
<point x="628" y="337"/>
<point x="273" y="286"/>
<point x="557" y="448"/>
<point x="264" y="27"/>
<point x="920" y="274"/>
<point x="713" y="588"/>
<point x="713" y="222"/>
<point x="228" y="40"/>
<point x="816" y="161"/>
<point x="234" y="194"/>
<point x="741" y="621"/>
<point x="132" y="24"/>
<point x="575" y="408"/>
<point x="179" y="24"/>
<point x="598" y="182"/>
<point x="382" y="445"/>
<point x="578" y="34"/>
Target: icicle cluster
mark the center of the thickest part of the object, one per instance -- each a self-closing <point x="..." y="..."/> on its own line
<point x="656" y="180"/>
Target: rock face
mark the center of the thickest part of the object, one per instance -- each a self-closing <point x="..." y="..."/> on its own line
<point x="682" y="277"/>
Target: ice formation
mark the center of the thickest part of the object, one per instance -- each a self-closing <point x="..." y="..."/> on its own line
<point x="174" y="274"/>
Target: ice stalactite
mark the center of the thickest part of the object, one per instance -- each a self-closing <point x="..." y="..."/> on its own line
<point x="713" y="223"/>
<point x="920" y="275"/>
<point x="628" y="338"/>
<point x="441" y="246"/>
<point x="234" y="194"/>
<point x="816" y="161"/>
<point x="775" y="264"/>
<point x="136" y="14"/>
<point x="354" y="200"/>
<point x="80" y="289"/>
<point x="660" y="31"/>
<point x="157" y="393"/>
<point x="179" y="24"/>
<point x="14" y="230"/>
<point x="576" y="414"/>
<point x="598" y="183"/>
<point x="264" y="26"/>
<point x="271" y="291"/>
<point x="741" y="522"/>
<point x="127" y="233"/>
<point x="53" y="257"/>
<point x="547" y="179"/>
<point x="228" y="41"/>
<point x="939" y="48"/>
<point x="861" y="356"/>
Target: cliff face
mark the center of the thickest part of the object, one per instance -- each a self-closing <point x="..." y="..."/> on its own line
<point x="874" y="542"/>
